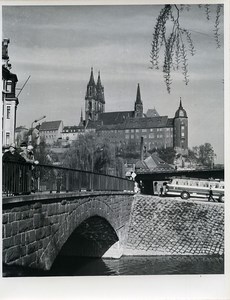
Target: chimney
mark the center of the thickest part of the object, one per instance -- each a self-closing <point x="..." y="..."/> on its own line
<point x="142" y="149"/>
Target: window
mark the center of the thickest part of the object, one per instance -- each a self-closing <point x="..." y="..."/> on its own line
<point x="127" y="136"/>
<point x="7" y="139"/>
<point x="8" y="112"/>
<point x="9" y="86"/>
<point x="144" y="130"/>
<point x="132" y="136"/>
<point x="132" y="130"/>
<point x="137" y="130"/>
<point x="127" y="131"/>
<point x="182" y="134"/>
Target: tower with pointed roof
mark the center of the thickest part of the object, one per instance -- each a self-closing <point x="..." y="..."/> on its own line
<point x="94" y="99"/>
<point x="138" y="107"/>
<point x="90" y="98"/>
<point x="181" y="130"/>
<point x="100" y="95"/>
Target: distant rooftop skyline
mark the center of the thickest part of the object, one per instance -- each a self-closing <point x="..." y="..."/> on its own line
<point x="58" y="45"/>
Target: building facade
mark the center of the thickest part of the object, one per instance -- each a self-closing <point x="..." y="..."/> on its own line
<point x="9" y="98"/>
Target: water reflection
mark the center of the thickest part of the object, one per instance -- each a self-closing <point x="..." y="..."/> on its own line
<point x="127" y="265"/>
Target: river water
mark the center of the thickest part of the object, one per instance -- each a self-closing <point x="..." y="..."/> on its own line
<point x="126" y="265"/>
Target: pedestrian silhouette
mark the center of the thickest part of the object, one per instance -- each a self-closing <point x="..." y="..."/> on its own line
<point x="210" y="196"/>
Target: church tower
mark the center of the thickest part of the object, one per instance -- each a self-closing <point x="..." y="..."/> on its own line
<point x="94" y="99"/>
<point x="180" y="140"/>
<point x="90" y="99"/>
<point x="100" y="96"/>
<point x="138" y="107"/>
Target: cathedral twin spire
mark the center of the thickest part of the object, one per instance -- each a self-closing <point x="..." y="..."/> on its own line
<point x="95" y="91"/>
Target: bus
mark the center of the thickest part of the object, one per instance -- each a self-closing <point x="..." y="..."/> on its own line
<point x="195" y="187"/>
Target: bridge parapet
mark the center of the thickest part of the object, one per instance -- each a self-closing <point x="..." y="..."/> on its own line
<point x="23" y="178"/>
<point x="36" y="227"/>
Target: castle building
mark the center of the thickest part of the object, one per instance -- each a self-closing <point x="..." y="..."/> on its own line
<point x="51" y="131"/>
<point x="129" y="126"/>
<point x="9" y="98"/>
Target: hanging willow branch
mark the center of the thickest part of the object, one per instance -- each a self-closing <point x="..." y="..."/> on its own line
<point x="176" y="42"/>
<point x="217" y="25"/>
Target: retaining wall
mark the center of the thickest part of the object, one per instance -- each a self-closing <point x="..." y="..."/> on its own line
<point x="161" y="226"/>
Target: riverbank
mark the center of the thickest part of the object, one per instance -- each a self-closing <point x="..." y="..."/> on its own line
<point x="168" y="226"/>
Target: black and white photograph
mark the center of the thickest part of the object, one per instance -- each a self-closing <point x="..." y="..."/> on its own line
<point x="113" y="143"/>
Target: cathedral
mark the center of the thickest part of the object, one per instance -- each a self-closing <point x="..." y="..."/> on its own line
<point x="130" y="126"/>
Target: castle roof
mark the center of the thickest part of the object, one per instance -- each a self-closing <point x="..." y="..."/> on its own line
<point x="116" y="117"/>
<point x="139" y="123"/>
<point x="52" y="125"/>
<point x="181" y="112"/>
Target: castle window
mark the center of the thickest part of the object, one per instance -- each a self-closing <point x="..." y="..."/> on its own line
<point x="127" y="136"/>
<point x="132" y="136"/>
<point x="182" y="134"/>
<point x="144" y="130"/>
<point x="126" y="130"/>
<point x="132" y="130"/>
<point x="8" y="112"/>
<point x="137" y="130"/>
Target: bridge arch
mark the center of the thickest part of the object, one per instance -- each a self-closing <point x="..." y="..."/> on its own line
<point x="94" y="223"/>
<point x="92" y="238"/>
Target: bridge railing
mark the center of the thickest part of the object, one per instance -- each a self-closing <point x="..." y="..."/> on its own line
<point x="19" y="178"/>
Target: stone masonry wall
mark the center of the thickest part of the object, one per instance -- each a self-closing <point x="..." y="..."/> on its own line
<point x="161" y="226"/>
<point x="35" y="231"/>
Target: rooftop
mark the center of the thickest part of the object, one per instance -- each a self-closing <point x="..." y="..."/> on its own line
<point x="52" y="125"/>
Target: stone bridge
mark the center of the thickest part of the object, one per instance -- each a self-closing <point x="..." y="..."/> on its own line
<point x="36" y="228"/>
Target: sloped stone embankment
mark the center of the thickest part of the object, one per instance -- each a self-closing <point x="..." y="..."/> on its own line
<point x="160" y="226"/>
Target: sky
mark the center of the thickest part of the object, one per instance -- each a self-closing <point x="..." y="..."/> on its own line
<point x="58" y="45"/>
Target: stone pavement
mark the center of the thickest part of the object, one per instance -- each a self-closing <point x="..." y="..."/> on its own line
<point x="171" y="226"/>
